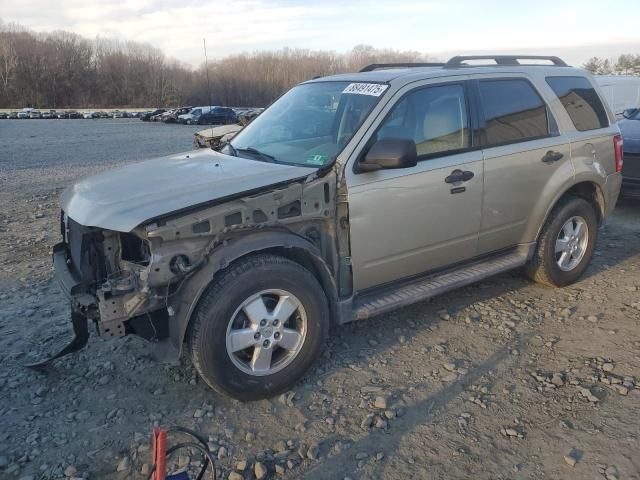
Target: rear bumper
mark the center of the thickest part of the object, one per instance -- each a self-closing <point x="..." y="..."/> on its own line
<point x="631" y="173"/>
<point x="630" y="185"/>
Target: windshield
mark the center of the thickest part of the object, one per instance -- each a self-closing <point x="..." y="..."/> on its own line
<point x="309" y="125"/>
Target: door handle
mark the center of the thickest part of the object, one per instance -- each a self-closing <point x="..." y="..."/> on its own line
<point x="459" y="176"/>
<point x="551" y="157"/>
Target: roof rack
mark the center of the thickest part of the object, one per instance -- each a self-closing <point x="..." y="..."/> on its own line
<point x="377" y="66"/>
<point x="502" y="60"/>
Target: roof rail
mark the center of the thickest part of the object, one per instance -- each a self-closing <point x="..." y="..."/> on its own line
<point x="502" y="60"/>
<point x="377" y="66"/>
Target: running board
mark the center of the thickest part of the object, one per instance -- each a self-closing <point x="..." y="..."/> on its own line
<point x="423" y="288"/>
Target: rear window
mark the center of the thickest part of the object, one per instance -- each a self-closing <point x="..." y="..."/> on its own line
<point x="581" y="102"/>
<point x="513" y="111"/>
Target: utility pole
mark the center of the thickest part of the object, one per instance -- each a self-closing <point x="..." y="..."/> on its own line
<point x="206" y="67"/>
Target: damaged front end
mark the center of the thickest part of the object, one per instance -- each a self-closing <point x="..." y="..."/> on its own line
<point x="215" y="137"/>
<point x="139" y="282"/>
<point x="104" y="274"/>
<point x="113" y="279"/>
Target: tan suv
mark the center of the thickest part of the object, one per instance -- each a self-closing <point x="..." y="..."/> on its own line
<point x="350" y="196"/>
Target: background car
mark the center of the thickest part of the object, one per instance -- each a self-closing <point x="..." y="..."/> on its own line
<point x="146" y="116"/>
<point x="169" y="116"/>
<point x="218" y="116"/>
<point x="630" y="129"/>
<point x="621" y="91"/>
<point x="193" y="115"/>
<point x="172" y="115"/>
<point x="4" y="115"/>
<point x="246" y="115"/>
<point x="35" y="114"/>
<point x="50" y="114"/>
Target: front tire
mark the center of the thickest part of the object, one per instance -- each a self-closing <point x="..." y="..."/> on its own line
<point x="258" y="327"/>
<point x="566" y="244"/>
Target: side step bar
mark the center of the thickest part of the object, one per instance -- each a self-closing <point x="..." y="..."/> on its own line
<point x="423" y="288"/>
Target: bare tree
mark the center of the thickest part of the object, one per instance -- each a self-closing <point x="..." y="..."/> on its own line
<point x="8" y="62"/>
<point x="598" y="66"/>
<point x="62" y="69"/>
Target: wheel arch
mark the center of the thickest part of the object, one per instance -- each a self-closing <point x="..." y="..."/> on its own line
<point x="587" y="190"/>
<point x="282" y="243"/>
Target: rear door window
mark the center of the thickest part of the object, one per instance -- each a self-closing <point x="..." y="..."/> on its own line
<point x="581" y="102"/>
<point x="513" y="111"/>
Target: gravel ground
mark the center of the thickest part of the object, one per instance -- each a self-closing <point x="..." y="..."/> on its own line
<point x="502" y="379"/>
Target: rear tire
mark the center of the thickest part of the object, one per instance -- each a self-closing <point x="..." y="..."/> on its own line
<point x="566" y="244"/>
<point x="261" y="305"/>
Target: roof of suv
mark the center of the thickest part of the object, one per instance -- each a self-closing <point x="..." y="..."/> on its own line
<point x="407" y="74"/>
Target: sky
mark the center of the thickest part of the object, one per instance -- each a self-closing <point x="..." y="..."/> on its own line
<point x="572" y="29"/>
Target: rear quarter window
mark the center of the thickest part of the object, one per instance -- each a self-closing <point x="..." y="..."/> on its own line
<point x="513" y="111"/>
<point x="581" y="102"/>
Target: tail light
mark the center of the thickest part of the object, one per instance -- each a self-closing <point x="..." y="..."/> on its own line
<point x="617" y="148"/>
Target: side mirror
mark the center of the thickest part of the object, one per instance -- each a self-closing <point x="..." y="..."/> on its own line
<point x="390" y="153"/>
<point x="630" y="112"/>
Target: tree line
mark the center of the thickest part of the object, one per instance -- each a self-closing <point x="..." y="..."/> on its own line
<point x="627" y="64"/>
<point x="64" y="70"/>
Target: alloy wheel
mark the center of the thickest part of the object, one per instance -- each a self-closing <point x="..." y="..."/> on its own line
<point x="266" y="332"/>
<point x="571" y="244"/>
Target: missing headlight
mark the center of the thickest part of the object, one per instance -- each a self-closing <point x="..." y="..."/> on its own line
<point x="134" y="249"/>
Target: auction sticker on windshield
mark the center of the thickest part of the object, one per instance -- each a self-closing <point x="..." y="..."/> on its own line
<point x="373" y="89"/>
<point x="316" y="159"/>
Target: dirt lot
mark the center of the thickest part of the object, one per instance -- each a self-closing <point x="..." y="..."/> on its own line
<point x="504" y="379"/>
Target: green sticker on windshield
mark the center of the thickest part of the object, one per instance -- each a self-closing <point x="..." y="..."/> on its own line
<point x="316" y="159"/>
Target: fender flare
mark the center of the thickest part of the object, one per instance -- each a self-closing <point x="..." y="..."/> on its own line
<point x="169" y="350"/>
<point x="583" y="179"/>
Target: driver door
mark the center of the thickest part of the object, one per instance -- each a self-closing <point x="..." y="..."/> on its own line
<point x="405" y="222"/>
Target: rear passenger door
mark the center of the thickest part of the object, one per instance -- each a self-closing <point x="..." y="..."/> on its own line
<point x="523" y="152"/>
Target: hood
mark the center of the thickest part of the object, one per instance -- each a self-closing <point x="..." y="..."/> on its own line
<point x="123" y="198"/>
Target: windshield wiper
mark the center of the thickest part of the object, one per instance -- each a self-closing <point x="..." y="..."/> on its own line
<point x="255" y="151"/>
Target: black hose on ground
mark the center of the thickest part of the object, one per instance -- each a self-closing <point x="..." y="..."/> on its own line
<point x="201" y="445"/>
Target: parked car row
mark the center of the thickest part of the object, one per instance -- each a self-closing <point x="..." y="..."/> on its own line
<point x="207" y="115"/>
<point x="203" y="115"/>
<point x="29" y="113"/>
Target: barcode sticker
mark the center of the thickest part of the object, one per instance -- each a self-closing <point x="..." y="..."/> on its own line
<point x="373" y="89"/>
